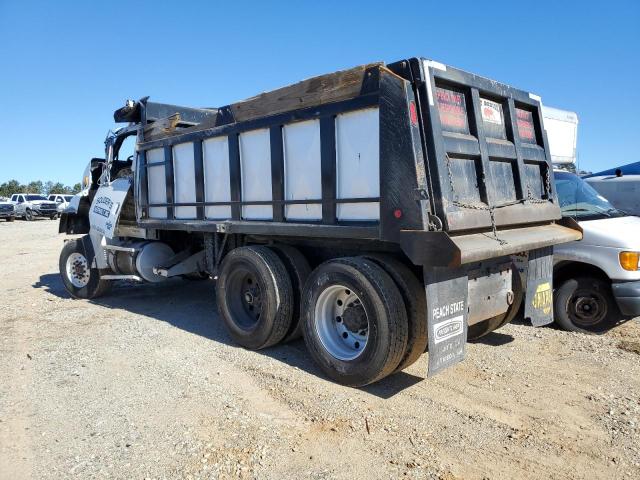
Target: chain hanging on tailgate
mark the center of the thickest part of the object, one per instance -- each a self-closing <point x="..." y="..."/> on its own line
<point x="491" y="208"/>
<point x="547" y="186"/>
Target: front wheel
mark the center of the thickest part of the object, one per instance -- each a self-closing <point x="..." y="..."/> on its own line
<point x="10" y="219"/>
<point x="585" y="304"/>
<point x="79" y="277"/>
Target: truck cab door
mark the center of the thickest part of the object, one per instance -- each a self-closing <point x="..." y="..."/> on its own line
<point x="19" y="204"/>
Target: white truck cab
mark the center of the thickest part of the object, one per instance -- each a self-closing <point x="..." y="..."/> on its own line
<point x="597" y="279"/>
<point x="62" y="201"/>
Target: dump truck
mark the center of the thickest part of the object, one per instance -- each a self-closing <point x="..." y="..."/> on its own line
<point x="373" y="211"/>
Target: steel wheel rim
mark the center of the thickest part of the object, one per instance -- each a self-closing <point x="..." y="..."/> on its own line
<point x="246" y="303"/>
<point x="587" y="308"/>
<point x="341" y="323"/>
<point x="77" y="269"/>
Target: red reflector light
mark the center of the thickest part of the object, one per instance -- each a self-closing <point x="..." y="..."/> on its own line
<point x="413" y="113"/>
<point x="397" y="213"/>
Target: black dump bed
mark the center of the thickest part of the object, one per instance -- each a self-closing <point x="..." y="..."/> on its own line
<point x="486" y="146"/>
<point x="454" y="168"/>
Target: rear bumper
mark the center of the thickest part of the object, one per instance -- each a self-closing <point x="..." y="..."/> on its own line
<point x="440" y="249"/>
<point x="627" y="295"/>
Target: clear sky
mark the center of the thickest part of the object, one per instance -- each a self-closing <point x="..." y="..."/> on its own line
<point x="66" y="66"/>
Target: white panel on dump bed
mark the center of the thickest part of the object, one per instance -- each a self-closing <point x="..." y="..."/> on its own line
<point x="255" y="165"/>
<point x="217" y="188"/>
<point x="358" y="163"/>
<point x="184" y="174"/>
<point x="302" y="170"/>
<point x="156" y="182"/>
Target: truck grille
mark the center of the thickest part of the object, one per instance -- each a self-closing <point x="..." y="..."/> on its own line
<point x="6" y="208"/>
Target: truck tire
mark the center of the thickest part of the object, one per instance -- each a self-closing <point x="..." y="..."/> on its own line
<point x="28" y="215"/>
<point x="354" y="321"/>
<point x="81" y="279"/>
<point x="586" y="305"/>
<point x="494" y="323"/>
<point x="299" y="270"/>
<point x="10" y="219"/>
<point x="255" y="297"/>
<point x="415" y="301"/>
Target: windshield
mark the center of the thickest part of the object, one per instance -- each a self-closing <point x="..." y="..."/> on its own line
<point x="579" y="200"/>
<point x="68" y="198"/>
<point x="31" y="198"/>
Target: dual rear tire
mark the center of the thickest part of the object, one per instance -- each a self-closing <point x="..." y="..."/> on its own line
<point x="362" y="318"/>
<point x="255" y="296"/>
<point x="354" y="321"/>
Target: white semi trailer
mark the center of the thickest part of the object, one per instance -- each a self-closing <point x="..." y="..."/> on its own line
<point x="373" y="210"/>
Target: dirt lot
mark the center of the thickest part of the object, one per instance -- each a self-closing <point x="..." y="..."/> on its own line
<point x="145" y="383"/>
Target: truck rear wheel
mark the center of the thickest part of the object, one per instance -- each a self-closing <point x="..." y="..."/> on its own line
<point x="354" y="321"/>
<point x="299" y="270"/>
<point x="28" y="215"/>
<point x="585" y="304"/>
<point x="255" y="296"/>
<point x="414" y="296"/>
<point x="80" y="278"/>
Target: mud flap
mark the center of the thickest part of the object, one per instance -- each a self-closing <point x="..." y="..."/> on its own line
<point x="538" y="305"/>
<point x="447" y="291"/>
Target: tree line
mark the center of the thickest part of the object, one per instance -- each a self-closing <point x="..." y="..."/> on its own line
<point x="37" y="186"/>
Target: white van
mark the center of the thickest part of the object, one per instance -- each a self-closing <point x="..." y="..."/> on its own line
<point x="621" y="186"/>
<point x="596" y="280"/>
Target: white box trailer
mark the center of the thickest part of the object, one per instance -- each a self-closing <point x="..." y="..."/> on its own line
<point x="374" y="210"/>
<point x="562" y="132"/>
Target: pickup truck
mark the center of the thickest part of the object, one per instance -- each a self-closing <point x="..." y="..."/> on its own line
<point x="7" y="210"/>
<point x="374" y="211"/>
<point x="31" y="205"/>
<point x="62" y="201"/>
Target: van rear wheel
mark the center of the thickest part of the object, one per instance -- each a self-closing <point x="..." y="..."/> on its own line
<point x="354" y="321"/>
<point x="254" y="296"/>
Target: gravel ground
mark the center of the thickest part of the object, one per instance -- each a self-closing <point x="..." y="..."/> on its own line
<point x="145" y="383"/>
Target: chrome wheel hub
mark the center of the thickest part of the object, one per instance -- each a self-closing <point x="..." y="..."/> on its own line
<point x="77" y="270"/>
<point x="341" y="322"/>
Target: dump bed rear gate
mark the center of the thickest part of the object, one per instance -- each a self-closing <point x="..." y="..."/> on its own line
<point x="488" y="157"/>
